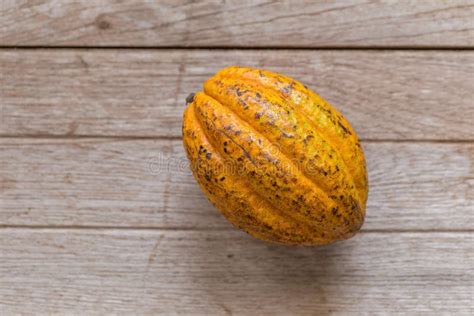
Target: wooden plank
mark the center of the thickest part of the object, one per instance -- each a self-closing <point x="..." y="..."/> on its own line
<point x="147" y="183"/>
<point x="229" y="273"/>
<point x="238" y="23"/>
<point x="385" y="94"/>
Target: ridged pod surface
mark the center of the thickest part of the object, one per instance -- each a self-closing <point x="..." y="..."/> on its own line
<point x="275" y="158"/>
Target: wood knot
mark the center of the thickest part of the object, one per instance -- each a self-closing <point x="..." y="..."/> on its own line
<point x="102" y="22"/>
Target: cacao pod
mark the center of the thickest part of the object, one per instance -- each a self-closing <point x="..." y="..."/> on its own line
<point x="276" y="159"/>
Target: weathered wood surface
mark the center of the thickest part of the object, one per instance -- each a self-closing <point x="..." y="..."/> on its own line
<point x="147" y="183"/>
<point x="216" y="273"/>
<point x="99" y="213"/>
<point x="238" y="23"/>
<point x="385" y="94"/>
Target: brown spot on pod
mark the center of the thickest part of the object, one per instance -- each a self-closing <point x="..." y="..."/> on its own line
<point x="345" y="129"/>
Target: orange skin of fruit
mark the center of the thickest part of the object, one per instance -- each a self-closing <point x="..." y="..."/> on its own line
<point x="276" y="159"/>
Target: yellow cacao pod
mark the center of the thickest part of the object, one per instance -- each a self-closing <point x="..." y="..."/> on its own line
<point x="276" y="159"/>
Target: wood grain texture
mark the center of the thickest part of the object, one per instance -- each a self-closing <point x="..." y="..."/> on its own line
<point x="147" y="183"/>
<point x="384" y="94"/>
<point x="229" y="273"/>
<point x="238" y="23"/>
<point x="99" y="213"/>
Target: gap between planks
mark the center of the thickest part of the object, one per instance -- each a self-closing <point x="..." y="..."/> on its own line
<point x="322" y="48"/>
<point x="210" y="229"/>
<point x="124" y="138"/>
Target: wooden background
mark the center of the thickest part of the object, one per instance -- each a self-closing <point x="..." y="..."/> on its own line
<point x="99" y="213"/>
